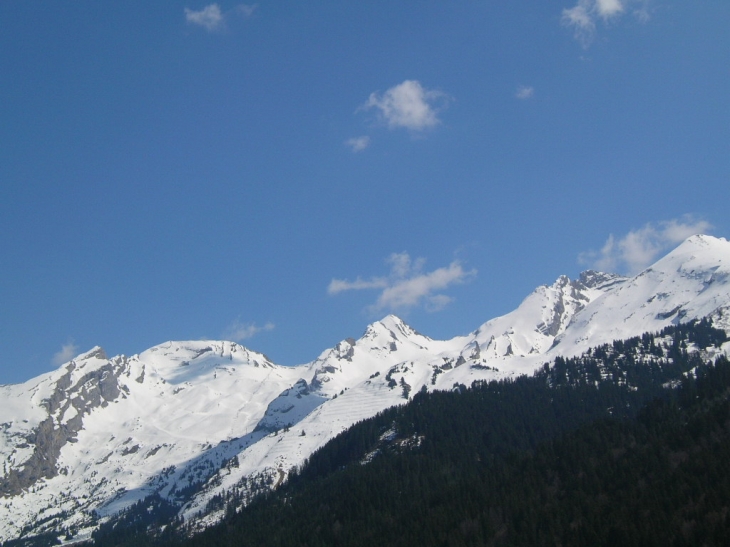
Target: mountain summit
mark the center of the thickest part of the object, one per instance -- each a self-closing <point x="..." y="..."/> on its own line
<point x="188" y="421"/>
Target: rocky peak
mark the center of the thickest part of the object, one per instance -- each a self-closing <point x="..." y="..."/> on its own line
<point x="591" y="279"/>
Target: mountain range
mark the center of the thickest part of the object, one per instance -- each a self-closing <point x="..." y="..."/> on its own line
<point x="191" y="420"/>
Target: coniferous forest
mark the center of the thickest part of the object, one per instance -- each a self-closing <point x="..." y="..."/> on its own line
<point x="628" y="444"/>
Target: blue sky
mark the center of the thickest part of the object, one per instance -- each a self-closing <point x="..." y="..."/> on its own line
<point x="284" y="173"/>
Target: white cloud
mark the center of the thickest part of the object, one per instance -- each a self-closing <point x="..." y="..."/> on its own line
<point x="238" y="331"/>
<point x="407" y="286"/>
<point x="212" y="18"/>
<point x="358" y="144"/>
<point x="609" y="8"/>
<point x="640" y="248"/>
<point x="209" y="17"/>
<point x="581" y="20"/>
<point x="525" y="92"/>
<point x="67" y="352"/>
<point x="586" y="14"/>
<point x="407" y="105"/>
<point x="337" y="286"/>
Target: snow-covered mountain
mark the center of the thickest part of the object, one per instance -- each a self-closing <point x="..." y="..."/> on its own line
<point x="191" y="420"/>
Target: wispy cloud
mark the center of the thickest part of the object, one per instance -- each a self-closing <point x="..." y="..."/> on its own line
<point x="609" y="8"/>
<point x="407" y="105"/>
<point x="525" y="92"/>
<point x="212" y="18"/>
<point x="640" y="248"/>
<point x="407" y="285"/>
<point x="358" y="144"/>
<point x="238" y="331"/>
<point x="67" y="352"/>
<point x="585" y="16"/>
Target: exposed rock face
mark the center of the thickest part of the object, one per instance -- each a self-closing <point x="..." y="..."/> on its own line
<point x="592" y="279"/>
<point x="96" y="388"/>
<point x="48" y="441"/>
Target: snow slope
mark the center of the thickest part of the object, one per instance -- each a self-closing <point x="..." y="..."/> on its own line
<point x="191" y="420"/>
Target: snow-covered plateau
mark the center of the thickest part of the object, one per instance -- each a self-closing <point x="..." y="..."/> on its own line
<point x="192" y="420"/>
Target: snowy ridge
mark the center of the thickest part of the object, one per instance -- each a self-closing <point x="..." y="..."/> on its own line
<point x="191" y="420"/>
<point x="545" y="314"/>
<point x="692" y="281"/>
<point x="118" y="430"/>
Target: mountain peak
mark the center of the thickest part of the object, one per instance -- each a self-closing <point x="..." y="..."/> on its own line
<point x="392" y="322"/>
<point x="700" y="243"/>
<point x="695" y="254"/>
<point x="704" y="240"/>
<point x="95" y="352"/>
<point x="393" y="327"/>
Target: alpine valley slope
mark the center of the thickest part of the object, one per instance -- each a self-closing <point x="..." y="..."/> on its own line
<point x="191" y="420"/>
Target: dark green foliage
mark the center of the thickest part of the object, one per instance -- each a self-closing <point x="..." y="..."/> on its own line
<point x="406" y="388"/>
<point x="592" y="450"/>
<point x="139" y="525"/>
